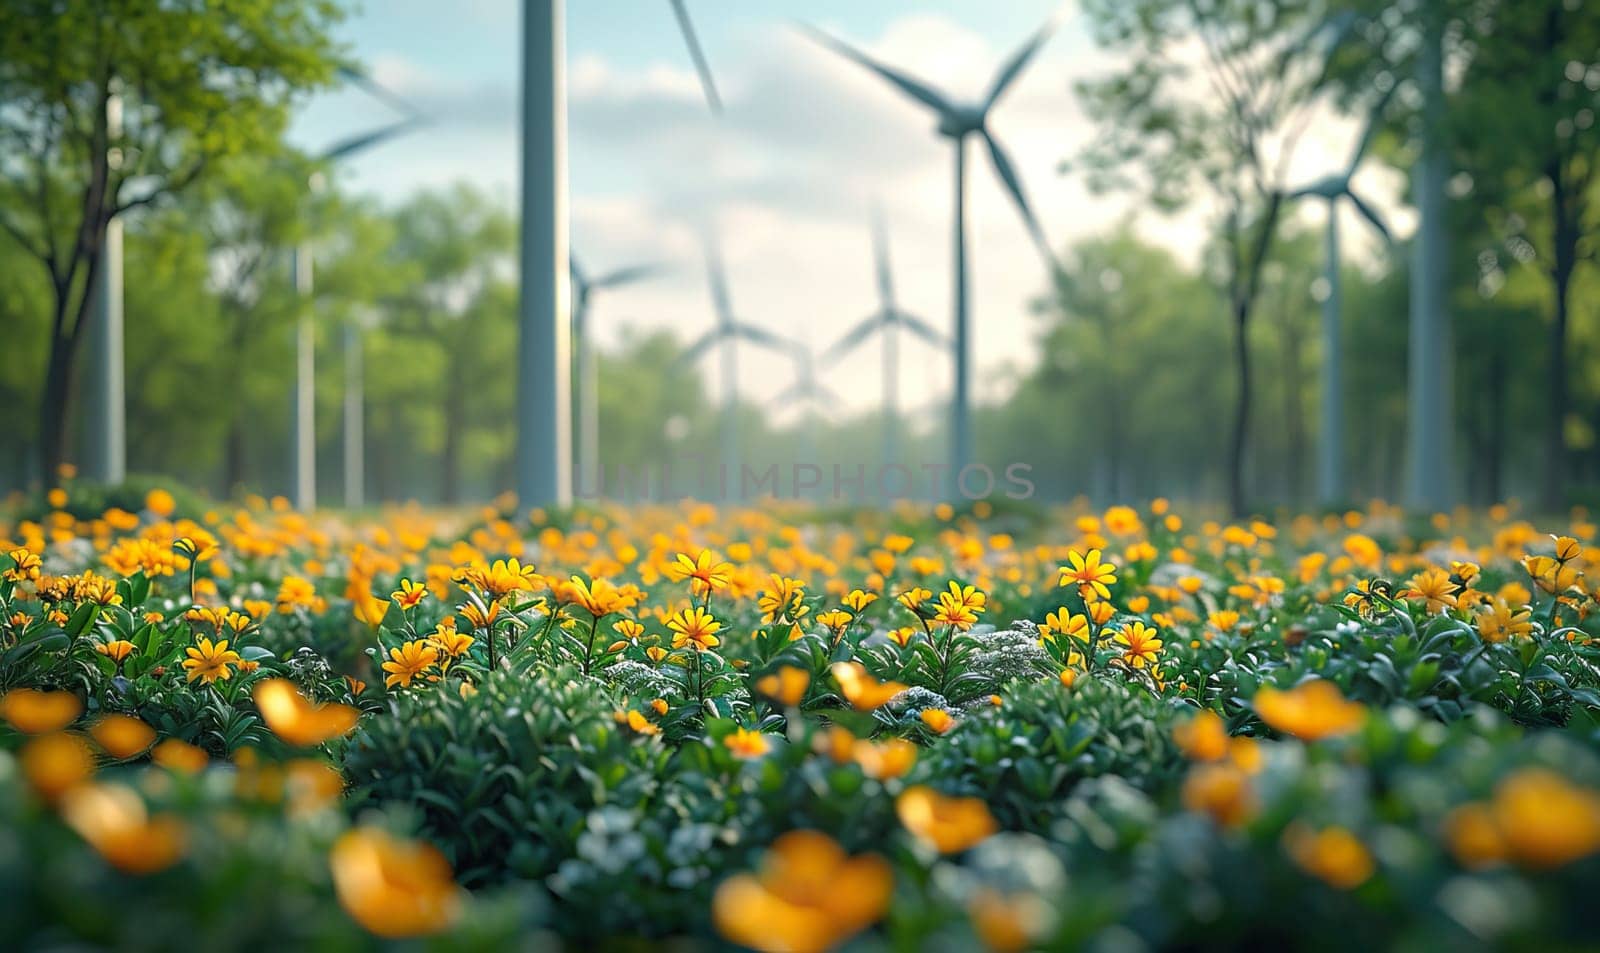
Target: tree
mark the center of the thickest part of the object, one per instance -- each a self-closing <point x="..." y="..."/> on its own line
<point x="1212" y="104"/>
<point x="1528" y="134"/>
<point x="196" y="84"/>
<point x="458" y="244"/>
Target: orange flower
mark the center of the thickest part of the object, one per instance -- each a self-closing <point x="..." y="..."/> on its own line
<point x="394" y="888"/>
<point x="949" y="824"/>
<point x="786" y="686"/>
<point x="1333" y="855"/>
<point x="113" y="819"/>
<point x="122" y="736"/>
<point x="938" y="719"/>
<point x="1310" y="711"/>
<point x="862" y="690"/>
<point x="56" y="763"/>
<point x="808" y="897"/>
<point x="35" y="713"/>
<point x="884" y="760"/>
<point x="1203" y="737"/>
<point x="407" y="596"/>
<point x="368" y="608"/>
<point x="296" y="719"/>
<point x="179" y="756"/>
<point x="1221" y="791"/>
<point x="746" y="744"/>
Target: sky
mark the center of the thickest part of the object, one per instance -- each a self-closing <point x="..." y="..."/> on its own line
<point x="788" y="176"/>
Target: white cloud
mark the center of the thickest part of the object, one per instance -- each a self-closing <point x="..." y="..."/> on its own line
<point x="788" y="175"/>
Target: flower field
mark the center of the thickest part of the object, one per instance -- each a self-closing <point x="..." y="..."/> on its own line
<point x="794" y="729"/>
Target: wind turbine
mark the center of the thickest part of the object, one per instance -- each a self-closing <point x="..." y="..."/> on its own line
<point x="888" y="320"/>
<point x="958" y="121"/>
<point x="809" y="393"/>
<point x="1332" y="190"/>
<point x="584" y="289"/>
<point x="724" y="334"/>
<point x="303" y="432"/>
<point x="543" y="407"/>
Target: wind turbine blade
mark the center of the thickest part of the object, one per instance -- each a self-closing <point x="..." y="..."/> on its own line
<point x="366" y="141"/>
<point x="790" y="393"/>
<point x="1370" y="131"/>
<point x="880" y="257"/>
<point x="762" y="337"/>
<point x="852" y="339"/>
<point x="694" y="351"/>
<point x="1020" y="60"/>
<point x="718" y="282"/>
<point x="579" y="279"/>
<point x="701" y="66"/>
<point x="1370" y="214"/>
<point x="916" y="89"/>
<point x="359" y="78"/>
<point x="626" y="276"/>
<point x="1008" y="175"/>
<point x="922" y="330"/>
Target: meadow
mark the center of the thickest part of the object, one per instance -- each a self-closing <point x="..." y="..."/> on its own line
<point x="238" y="726"/>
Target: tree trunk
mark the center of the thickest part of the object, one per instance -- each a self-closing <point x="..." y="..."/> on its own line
<point x="1552" y="489"/>
<point x="450" y="460"/>
<point x="1241" y="409"/>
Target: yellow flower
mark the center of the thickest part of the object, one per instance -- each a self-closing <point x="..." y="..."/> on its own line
<point x="368" y="608"/>
<point x="116" y="651"/>
<point x="1007" y="923"/>
<point x="786" y="686"/>
<point x="160" y="502"/>
<point x="862" y="690"/>
<point x="809" y="896"/>
<point x="960" y="606"/>
<point x="938" y="719"/>
<point x="34" y="712"/>
<point x="298" y="720"/>
<point x="407" y="662"/>
<point x="949" y="824"/>
<point x="1064" y="622"/>
<point x="1545" y="820"/>
<point x="1090" y="574"/>
<point x="914" y="597"/>
<point x="885" y="760"/>
<point x="1498" y="621"/>
<point x="834" y="619"/>
<point x="408" y="595"/>
<point x="1310" y="711"/>
<point x="639" y="724"/>
<point x="394" y="888"/>
<point x="1139" y="644"/>
<point x="746" y="744"/>
<point x="627" y="628"/>
<point x="452" y="643"/>
<point x="113" y="819"/>
<point x="25" y="566"/>
<point x="706" y="572"/>
<point x="1221" y="791"/>
<point x="858" y="599"/>
<point x="209" y="661"/>
<point x="1435" y="587"/>
<point x="694" y="626"/>
<point x="179" y="756"/>
<point x="1203" y="737"/>
<point x="501" y="578"/>
<point x="1333" y="855"/>
<point x="56" y="763"/>
<point x="122" y="736"/>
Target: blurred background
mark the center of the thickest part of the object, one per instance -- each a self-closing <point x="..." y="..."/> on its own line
<point x="1170" y="337"/>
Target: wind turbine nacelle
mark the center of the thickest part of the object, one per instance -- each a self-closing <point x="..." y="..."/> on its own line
<point x="962" y="119"/>
<point x="1329" y="188"/>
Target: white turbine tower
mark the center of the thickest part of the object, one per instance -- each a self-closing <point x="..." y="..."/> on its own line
<point x="544" y="345"/>
<point x="1333" y="190"/>
<point x="303" y="429"/>
<point x="887" y="320"/>
<point x="958" y="121"/>
<point x="585" y="288"/>
<point x="724" y="335"/>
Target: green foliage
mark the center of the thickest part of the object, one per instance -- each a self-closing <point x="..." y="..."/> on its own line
<point x="504" y="777"/>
